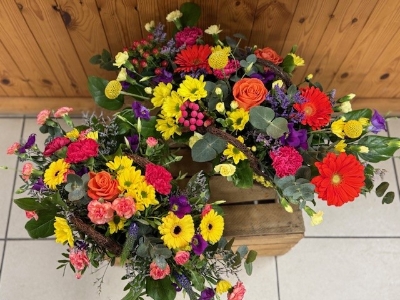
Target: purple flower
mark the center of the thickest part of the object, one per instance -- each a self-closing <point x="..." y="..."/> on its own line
<point x="207" y="294"/>
<point x="295" y="138"/>
<point x="180" y="206"/>
<point x="29" y="143"/>
<point x="140" y="111"/>
<point x="165" y="77"/>
<point x="378" y="123"/>
<point x="39" y="185"/>
<point x="264" y="77"/>
<point x="82" y="171"/>
<point x="133" y="142"/>
<point x="198" y="244"/>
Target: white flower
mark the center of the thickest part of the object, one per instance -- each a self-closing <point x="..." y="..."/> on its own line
<point x="213" y="29"/>
<point x="149" y="26"/>
<point x="121" y="59"/>
<point x="346" y="107"/>
<point x="218" y="91"/>
<point x="220" y="107"/>
<point x="172" y="16"/>
<point x="122" y="74"/>
<point x="193" y="139"/>
<point x="316" y="218"/>
<point x="148" y="90"/>
<point x="277" y="83"/>
<point x="234" y="104"/>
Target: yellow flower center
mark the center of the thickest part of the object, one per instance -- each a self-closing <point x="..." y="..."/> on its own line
<point x="309" y="109"/>
<point x="353" y="129"/>
<point x="113" y="89"/>
<point x="336" y="179"/>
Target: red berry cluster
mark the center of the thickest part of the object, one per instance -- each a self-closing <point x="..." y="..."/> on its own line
<point x="191" y="116"/>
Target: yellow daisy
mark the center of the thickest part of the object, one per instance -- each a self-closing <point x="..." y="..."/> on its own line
<point x="54" y="175"/>
<point x="120" y="163"/>
<point x="129" y="178"/>
<point x="167" y="126"/>
<point x="160" y="93"/>
<point x="63" y="232"/>
<point x="297" y="60"/>
<point x="239" y="118"/>
<point x="234" y="153"/>
<point x="94" y="135"/>
<point x="192" y="89"/>
<point x="340" y="147"/>
<point x="176" y="233"/>
<point x="145" y="195"/>
<point x="172" y="106"/>
<point x="115" y="227"/>
<point x="73" y="134"/>
<point x="223" y="286"/>
<point x="212" y="227"/>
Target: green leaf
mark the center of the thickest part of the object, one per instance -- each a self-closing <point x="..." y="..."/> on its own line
<point x="197" y="280"/>
<point x="29" y="204"/>
<point x="160" y="251"/>
<point x="161" y="289"/>
<point x="389" y="197"/>
<point x="243" y="177"/>
<point x="149" y="128"/>
<point x="261" y="117"/>
<point x="381" y="189"/>
<point x="251" y="58"/>
<point x="242" y="250"/>
<point x="277" y="128"/>
<point x="356" y="114"/>
<point x="95" y="60"/>
<point x="207" y="148"/>
<point x="288" y="64"/>
<point x="249" y="268"/>
<point x="190" y="14"/>
<point x="43" y="227"/>
<point x="380" y="148"/>
<point x="251" y="256"/>
<point x="284" y="182"/>
<point x="228" y="246"/>
<point x="96" y="87"/>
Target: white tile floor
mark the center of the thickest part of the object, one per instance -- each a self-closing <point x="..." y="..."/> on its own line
<point x="353" y="255"/>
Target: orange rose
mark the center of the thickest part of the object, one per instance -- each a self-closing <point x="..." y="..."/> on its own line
<point x="101" y="185"/>
<point x="269" y="54"/>
<point x="249" y="92"/>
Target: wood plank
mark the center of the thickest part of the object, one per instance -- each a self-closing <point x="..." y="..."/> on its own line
<point x="85" y="28"/>
<point x="269" y="250"/>
<point x="349" y="19"/>
<point x="272" y="22"/>
<point x="50" y="33"/>
<point x="23" y="48"/>
<point x="13" y="82"/>
<point x="375" y="36"/>
<point x="121" y="21"/>
<point x="386" y="106"/>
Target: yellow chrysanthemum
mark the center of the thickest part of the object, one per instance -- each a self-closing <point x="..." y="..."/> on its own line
<point x="129" y="178"/>
<point x="73" y="134"/>
<point x="353" y="129"/>
<point x="145" y="195"/>
<point x="167" y="126"/>
<point x="192" y="89"/>
<point x="212" y="227"/>
<point x="63" y="232"/>
<point x="94" y="135"/>
<point x="219" y="57"/>
<point x="176" y="233"/>
<point x="223" y="286"/>
<point x="232" y="152"/>
<point x="337" y="128"/>
<point x="160" y="93"/>
<point x="239" y="118"/>
<point x="120" y="163"/>
<point x="115" y="227"/>
<point x="340" y="146"/>
<point x="54" y="175"/>
<point x="297" y="60"/>
<point x="172" y="106"/>
<point x="113" y="89"/>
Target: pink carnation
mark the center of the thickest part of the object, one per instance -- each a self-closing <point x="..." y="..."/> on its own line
<point x="42" y="116"/>
<point x="151" y="142"/>
<point x="81" y="150"/>
<point x="62" y="111"/>
<point x="100" y="213"/>
<point x="31" y="214"/>
<point x="125" y="207"/>
<point x="286" y="161"/>
<point x="206" y="210"/>
<point x="13" y="148"/>
<point x="158" y="273"/>
<point x="238" y="291"/>
<point x="159" y="178"/>
<point x="27" y="171"/>
<point x="229" y="69"/>
<point x="181" y="257"/>
<point x="188" y="36"/>
<point x="79" y="260"/>
<point x="55" y="145"/>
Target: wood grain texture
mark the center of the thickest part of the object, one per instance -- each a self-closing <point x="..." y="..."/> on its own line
<point x="49" y="31"/>
<point x="24" y="50"/>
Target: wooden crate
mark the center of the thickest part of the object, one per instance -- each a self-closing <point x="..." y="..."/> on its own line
<point x="252" y="215"/>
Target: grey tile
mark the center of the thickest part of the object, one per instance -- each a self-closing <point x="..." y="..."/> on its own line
<point x="333" y="269"/>
<point x="11" y="132"/>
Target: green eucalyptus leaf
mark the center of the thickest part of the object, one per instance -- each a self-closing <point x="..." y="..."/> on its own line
<point x="240" y="36"/>
<point x="160" y="262"/>
<point x="388" y="198"/>
<point x="277" y="128"/>
<point x="251" y="58"/>
<point x="160" y="251"/>
<point x="284" y="182"/>
<point x="228" y="246"/>
<point x="96" y="87"/>
<point x="207" y="148"/>
<point x="143" y="250"/>
<point x="381" y="189"/>
<point x="242" y="250"/>
<point x="261" y="117"/>
<point x="251" y="256"/>
<point x="249" y="268"/>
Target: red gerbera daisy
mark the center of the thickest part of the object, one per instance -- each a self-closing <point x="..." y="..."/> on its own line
<point x="341" y="178"/>
<point x="193" y="58"/>
<point x="317" y="108"/>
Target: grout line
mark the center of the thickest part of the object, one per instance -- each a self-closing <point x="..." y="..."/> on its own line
<point x="277" y="278"/>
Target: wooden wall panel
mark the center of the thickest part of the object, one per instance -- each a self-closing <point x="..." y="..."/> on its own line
<point x="24" y="50"/>
<point x="48" y="29"/>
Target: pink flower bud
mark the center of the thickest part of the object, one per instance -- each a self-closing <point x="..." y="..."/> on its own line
<point x="42" y="116"/>
<point x="62" y="112"/>
<point x="151" y="141"/>
<point x="13" y="148"/>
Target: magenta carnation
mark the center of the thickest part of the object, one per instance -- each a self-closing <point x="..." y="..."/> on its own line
<point x="81" y="150"/>
<point x="188" y="36"/>
<point x="159" y="178"/>
<point x="286" y="161"/>
<point x="229" y="69"/>
<point x="56" y="145"/>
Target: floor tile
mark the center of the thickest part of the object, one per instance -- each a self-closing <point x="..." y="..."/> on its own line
<point x="333" y="269"/>
<point x="1" y="255"/>
<point x="394" y="125"/>
<point x="11" y="132"/>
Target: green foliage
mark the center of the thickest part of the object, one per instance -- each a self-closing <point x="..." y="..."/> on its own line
<point x="381" y="189"/>
<point x="96" y="86"/>
<point x="263" y="118"/>
<point x="207" y="148"/>
<point x="44" y="226"/>
<point x="76" y="186"/>
<point x="104" y="60"/>
<point x="191" y="14"/>
<point x="288" y="64"/>
<point x="388" y="198"/>
<point x="380" y="148"/>
<point x="243" y="177"/>
<point x="161" y="289"/>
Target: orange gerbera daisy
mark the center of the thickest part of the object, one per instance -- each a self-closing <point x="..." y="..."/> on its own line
<point x="317" y="108"/>
<point x="341" y="178"/>
<point x="193" y="58"/>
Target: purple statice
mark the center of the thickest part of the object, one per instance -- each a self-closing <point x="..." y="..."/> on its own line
<point x="140" y="111"/>
<point x="207" y="294"/>
<point x="133" y="142"/>
<point x="295" y="138"/>
<point x="264" y="139"/>
<point x="331" y="95"/>
<point x="133" y="230"/>
<point x="165" y="77"/>
<point x="378" y="123"/>
<point x="194" y="74"/>
<point x="29" y="143"/>
<point x="180" y="206"/>
<point x="264" y="77"/>
<point x="184" y="282"/>
<point x="199" y="244"/>
<point x="169" y="49"/>
<point x="81" y="245"/>
<point x="159" y="34"/>
<point x="39" y="185"/>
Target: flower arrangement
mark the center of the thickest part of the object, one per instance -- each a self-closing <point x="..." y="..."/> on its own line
<point x="237" y="108"/>
<point x="103" y="189"/>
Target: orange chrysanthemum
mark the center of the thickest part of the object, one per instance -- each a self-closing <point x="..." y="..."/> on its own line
<point x="317" y="108"/>
<point x="193" y="58"/>
<point x="341" y="178"/>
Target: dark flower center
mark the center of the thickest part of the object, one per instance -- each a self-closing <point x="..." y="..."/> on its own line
<point x="210" y="226"/>
<point x="177" y="230"/>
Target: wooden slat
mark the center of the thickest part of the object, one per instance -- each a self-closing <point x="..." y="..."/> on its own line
<point x="121" y="21"/>
<point x="375" y="36"/>
<point x="23" y="48"/>
<point x="50" y="33"/>
<point x="85" y="28"/>
<point x="271" y="23"/>
<point x="12" y="81"/>
<point x="348" y="20"/>
<point x="386" y="106"/>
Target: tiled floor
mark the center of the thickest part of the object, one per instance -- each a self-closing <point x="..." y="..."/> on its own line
<point x="353" y="255"/>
